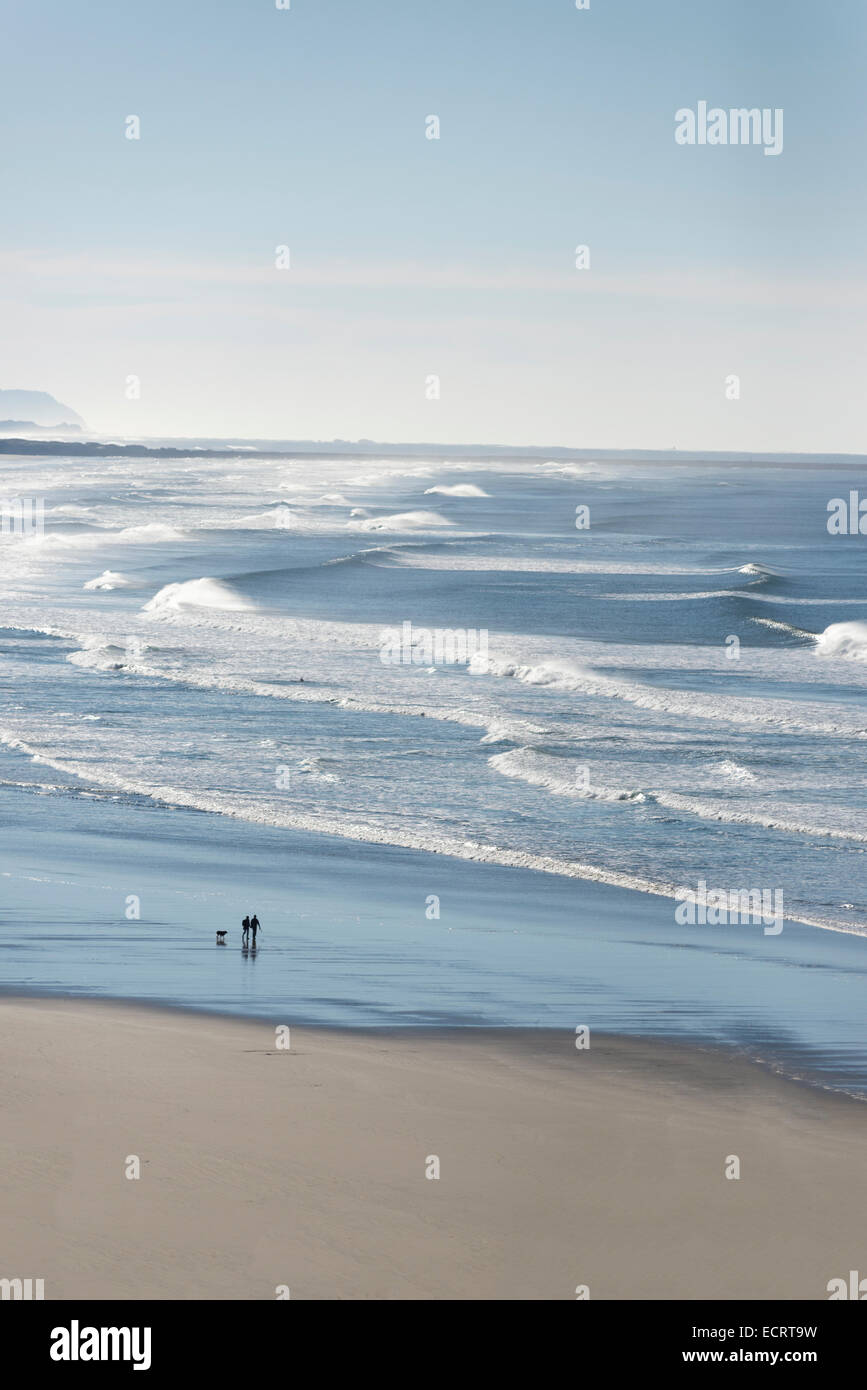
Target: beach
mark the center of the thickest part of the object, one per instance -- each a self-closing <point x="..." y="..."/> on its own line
<point x="456" y="864"/>
<point x="433" y="659"/>
<point x="266" y="1169"/>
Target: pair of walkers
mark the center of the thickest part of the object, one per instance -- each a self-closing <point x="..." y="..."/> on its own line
<point x="250" y="924"/>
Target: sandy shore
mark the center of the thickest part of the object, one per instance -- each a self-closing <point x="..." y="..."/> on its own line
<point x="306" y="1167"/>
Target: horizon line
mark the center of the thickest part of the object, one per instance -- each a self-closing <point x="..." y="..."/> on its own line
<point x="294" y="447"/>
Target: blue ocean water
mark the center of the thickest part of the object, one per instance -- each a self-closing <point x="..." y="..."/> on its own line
<point x="195" y="713"/>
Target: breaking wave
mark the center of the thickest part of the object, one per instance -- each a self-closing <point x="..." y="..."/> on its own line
<point x="198" y="593"/>
<point x="241" y="808"/>
<point x="847" y="640"/>
<point x="689" y="704"/>
<point x="562" y="777"/>
<point x="111" y="579"/>
<point x="401" y="521"/>
<point x="457" y="490"/>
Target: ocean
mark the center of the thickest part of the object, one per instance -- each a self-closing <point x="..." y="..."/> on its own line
<point x="467" y="735"/>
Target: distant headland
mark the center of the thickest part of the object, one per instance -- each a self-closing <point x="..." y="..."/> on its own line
<point x="36" y="412"/>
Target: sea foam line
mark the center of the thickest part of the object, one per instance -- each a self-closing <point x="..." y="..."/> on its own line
<point x="585" y="681"/>
<point x="239" y="809"/>
<point x="543" y="770"/>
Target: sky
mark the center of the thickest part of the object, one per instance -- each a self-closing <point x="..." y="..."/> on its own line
<point x="432" y="292"/>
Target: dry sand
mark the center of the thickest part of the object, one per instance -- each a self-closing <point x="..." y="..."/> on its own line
<point x="306" y="1167"/>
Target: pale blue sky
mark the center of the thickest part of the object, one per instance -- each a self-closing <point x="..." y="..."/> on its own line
<point x="456" y="257"/>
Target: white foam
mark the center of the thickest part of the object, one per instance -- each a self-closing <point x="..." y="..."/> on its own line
<point x="457" y="490"/>
<point x="848" y="640"/>
<point x="528" y="565"/>
<point x="153" y="533"/>
<point x="739" y="593"/>
<point x="733" y="771"/>
<point x="511" y="731"/>
<point x="198" y="593"/>
<point x="312" y="769"/>
<point x="673" y="598"/>
<point x="557" y="775"/>
<point x="241" y="809"/>
<point x="566" y="676"/>
<point x="72" y="540"/>
<point x="759" y="570"/>
<point x="99" y="654"/>
<point x="111" y="579"/>
<point x="560" y="776"/>
<point x="283" y="517"/>
<point x="401" y="521"/>
<point x="73" y="510"/>
<point x="770" y="818"/>
<point x="329" y="499"/>
<point x="568" y="470"/>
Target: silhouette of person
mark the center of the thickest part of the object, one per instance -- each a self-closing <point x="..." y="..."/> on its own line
<point x="245" y="930"/>
<point x="255" y="926"/>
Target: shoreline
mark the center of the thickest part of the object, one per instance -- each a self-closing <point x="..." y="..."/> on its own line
<point x="547" y="1042"/>
<point x="306" y="1166"/>
<point x="336" y="840"/>
<point x="498" y="856"/>
<point x="348" y="943"/>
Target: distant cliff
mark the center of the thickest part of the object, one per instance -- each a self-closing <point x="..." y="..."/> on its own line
<point x="37" y="410"/>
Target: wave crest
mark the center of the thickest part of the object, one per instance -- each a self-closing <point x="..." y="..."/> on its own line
<point x="848" y="640"/>
<point x="198" y="593"/>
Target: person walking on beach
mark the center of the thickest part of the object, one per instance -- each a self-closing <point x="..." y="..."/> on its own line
<point x="245" y="930"/>
<point x="254" y="926"/>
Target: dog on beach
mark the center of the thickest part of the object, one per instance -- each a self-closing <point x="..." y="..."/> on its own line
<point x="221" y="938"/>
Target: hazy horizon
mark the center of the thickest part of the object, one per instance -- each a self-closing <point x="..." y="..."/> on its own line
<point x="154" y="260"/>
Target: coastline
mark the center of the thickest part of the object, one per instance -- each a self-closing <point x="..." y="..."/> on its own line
<point x="305" y="1166"/>
<point x="347" y="942"/>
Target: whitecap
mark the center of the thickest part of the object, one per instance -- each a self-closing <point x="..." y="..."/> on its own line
<point x="457" y="490"/>
<point x="198" y="593"/>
